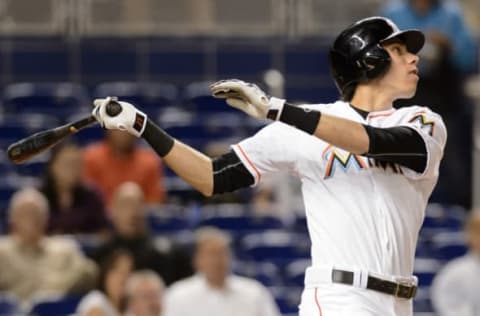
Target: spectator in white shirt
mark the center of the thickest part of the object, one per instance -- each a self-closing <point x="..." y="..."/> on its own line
<point x="34" y="265"/>
<point x="214" y="291"/>
<point x="456" y="288"/>
<point x="145" y="291"/>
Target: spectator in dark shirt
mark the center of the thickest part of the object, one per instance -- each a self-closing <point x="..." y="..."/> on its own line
<point x="128" y="215"/>
<point x="76" y="208"/>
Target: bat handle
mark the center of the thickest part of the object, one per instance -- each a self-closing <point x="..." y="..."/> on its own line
<point x="113" y="107"/>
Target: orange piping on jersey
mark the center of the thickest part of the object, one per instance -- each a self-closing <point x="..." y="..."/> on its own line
<point x="318" y="304"/>
<point x="380" y="114"/>
<point x="249" y="162"/>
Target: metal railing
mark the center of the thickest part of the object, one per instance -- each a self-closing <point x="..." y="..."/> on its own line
<point x="246" y="18"/>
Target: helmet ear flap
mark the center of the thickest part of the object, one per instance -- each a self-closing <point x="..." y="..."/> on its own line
<point x="374" y="61"/>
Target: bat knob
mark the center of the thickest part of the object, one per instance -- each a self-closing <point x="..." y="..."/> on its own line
<point x="113" y="108"/>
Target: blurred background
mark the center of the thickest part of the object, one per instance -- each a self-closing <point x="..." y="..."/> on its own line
<point x="56" y="56"/>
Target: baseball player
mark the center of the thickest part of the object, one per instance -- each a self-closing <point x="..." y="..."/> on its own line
<point x="367" y="169"/>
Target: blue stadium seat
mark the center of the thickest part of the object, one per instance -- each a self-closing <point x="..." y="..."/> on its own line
<point x="295" y="272"/>
<point x="56" y="306"/>
<point x="241" y="224"/>
<point x="9" y="306"/>
<point x="151" y="97"/>
<point x="197" y="97"/>
<point x="279" y="247"/>
<point x="57" y="99"/>
<point x="245" y="61"/>
<point x="264" y="272"/>
<point x="422" y="302"/>
<point x="449" y="245"/>
<point x="160" y="224"/>
<point x="34" y="168"/>
<point x="425" y="269"/>
<point x="287" y="298"/>
<point x="445" y="217"/>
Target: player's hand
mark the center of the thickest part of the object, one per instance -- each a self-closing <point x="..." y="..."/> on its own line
<point x="130" y="119"/>
<point x="242" y="95"/>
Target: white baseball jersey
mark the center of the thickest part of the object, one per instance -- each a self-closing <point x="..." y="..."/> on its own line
<point x="360" y="215"/>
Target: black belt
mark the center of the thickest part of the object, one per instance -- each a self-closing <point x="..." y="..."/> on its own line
<point x="376" y="284"/>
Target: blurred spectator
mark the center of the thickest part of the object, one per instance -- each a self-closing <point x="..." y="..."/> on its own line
<point x="456" y="288"/>
<point x="33" y="265"/>
<point x="130" y="231"/>
<point x="109" y="298"/>
<point x="118" y="159"/>
<point x="214" y="291"/>
<point x="447" y="57"/>
<point x="144" y="294"/>
<point x="75" y="207"/>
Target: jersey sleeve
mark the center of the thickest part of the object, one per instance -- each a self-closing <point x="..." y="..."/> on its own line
<point x="431" y="128"/>
<point x="270" y="150"/>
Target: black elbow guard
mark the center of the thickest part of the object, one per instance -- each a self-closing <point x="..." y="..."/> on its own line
<point x="229" y="174"/>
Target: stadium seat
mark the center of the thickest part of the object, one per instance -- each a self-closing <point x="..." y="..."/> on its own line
<point x="287" y="298"/>
<point x="295" y="272"/>
<point x="197" y="97"/>
<point x="279" y="247"/>
<point x="62" y="306"/>
<point x="264" y="272"/>
<point x="56" y="99"/>
<point x="444" y="217"/>
<point x="9" y="306"/>
<point x="150" y="97"/>
<point x="449" y="245"/>
<point x="35" y="168"/>
<point x="160" y="224"/>
<point x="422" y="302"/>
<point x="242" y="224"/>
<point x="425" y="269"/>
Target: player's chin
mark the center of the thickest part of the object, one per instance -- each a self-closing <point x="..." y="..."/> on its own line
<point x="410" y="91"/>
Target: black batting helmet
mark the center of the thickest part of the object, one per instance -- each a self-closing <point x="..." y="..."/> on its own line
<point x="357" y="56"/>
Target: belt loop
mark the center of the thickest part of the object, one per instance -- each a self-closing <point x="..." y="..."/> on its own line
<point x="363" y="278"/>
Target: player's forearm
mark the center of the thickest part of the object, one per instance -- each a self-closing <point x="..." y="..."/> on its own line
<point x="342" y="133"/>
<point x="191" y="165"/>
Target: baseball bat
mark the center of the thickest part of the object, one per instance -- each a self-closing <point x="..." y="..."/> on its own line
<point x="37" y="143"/>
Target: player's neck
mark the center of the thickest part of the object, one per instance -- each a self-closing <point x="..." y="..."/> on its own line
<point x="371" y="99"/>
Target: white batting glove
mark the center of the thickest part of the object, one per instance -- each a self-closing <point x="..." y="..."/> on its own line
<point x="130" y="119"/>
<point x="248" y="97"/>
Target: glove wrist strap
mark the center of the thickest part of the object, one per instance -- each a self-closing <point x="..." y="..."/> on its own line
<point x="156" y="137"/>
<point x="301" y="118"/>
<point x="275" y="108"/>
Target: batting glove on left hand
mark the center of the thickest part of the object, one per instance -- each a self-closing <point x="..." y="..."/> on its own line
<point x="130" y="119"/>
<point x="245" y="96"/>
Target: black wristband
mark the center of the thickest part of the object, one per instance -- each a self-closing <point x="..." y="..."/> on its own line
<point x="156" y="137"/>
<point x="303" y="119"/>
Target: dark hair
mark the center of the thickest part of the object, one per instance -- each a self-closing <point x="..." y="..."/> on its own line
<point x="348" y="92"/>
<point x="48" y="184"/>
<point x="106" y="265"/>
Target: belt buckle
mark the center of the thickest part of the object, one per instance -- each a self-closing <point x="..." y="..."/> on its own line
<point x="411" y="288"/>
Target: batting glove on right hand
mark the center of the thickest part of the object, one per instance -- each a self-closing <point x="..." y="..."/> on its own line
<point x="130" y="119"/>
<point x="245" y="96"/>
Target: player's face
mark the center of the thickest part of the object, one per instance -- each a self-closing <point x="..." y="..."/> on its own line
<point x="402" y="76"/>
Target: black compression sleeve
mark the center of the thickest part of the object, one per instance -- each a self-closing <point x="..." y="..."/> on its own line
<point x="156" y="137"/>
<point x="400" y="144"/>
<point x="229" y="174"/>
